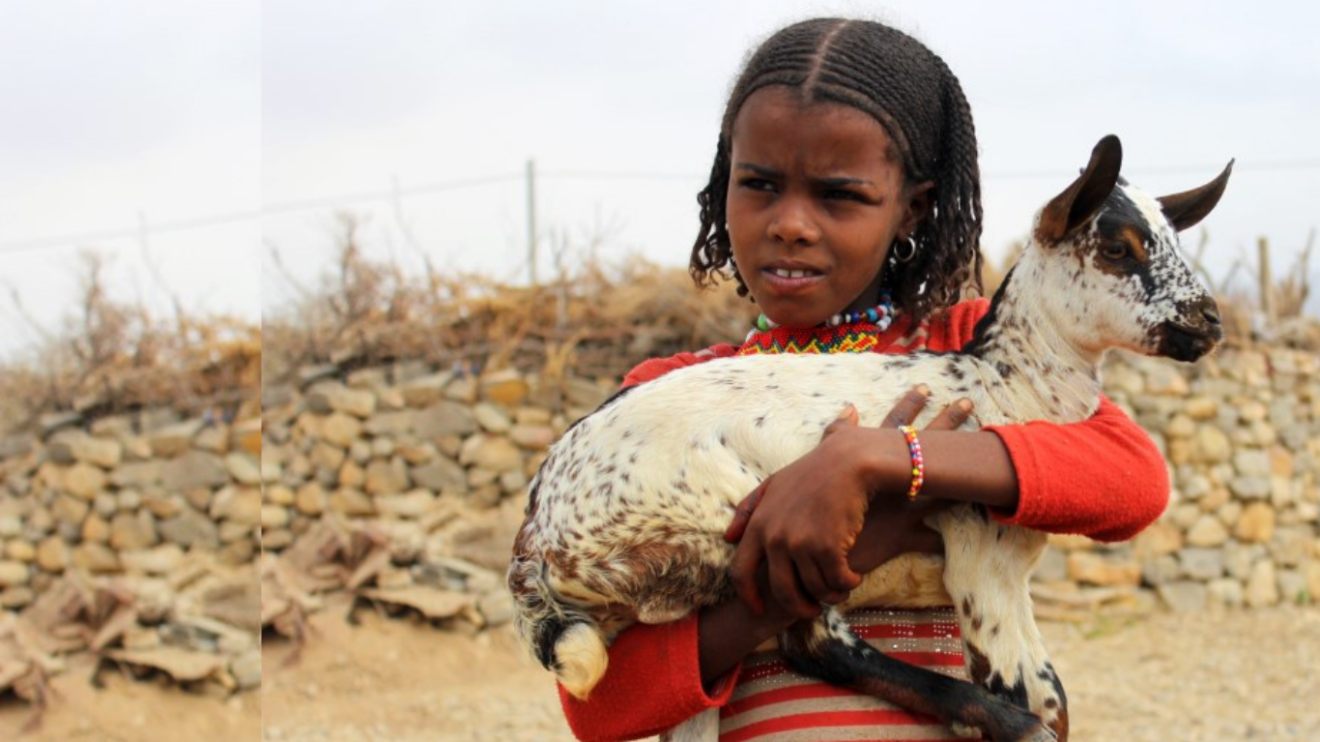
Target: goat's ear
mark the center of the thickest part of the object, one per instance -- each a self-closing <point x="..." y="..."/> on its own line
<point x="1189" y="207"/>
<point x="1081" y="200"/>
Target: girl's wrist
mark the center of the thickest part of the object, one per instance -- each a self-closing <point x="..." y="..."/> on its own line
<point x="884" y="463"/>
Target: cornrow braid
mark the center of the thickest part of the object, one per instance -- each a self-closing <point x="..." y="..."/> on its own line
<point x="918" y="100"/>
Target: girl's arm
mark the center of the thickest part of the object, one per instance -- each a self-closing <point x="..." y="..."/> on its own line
<point x="1102" y="478"/>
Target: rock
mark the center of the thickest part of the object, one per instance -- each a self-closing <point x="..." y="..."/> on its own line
<point x="351" y="502"/>
<point x="1225" y="592"/>
<point x="13" y="573"/>
<point x="505" y="387"/>
<point x="1160" y="538"/>
<point x="132" y="531"/>
<point x="1095" y="569"/>
<point x="190" y="529"/>
<point x="246" y="669"/>
<point x="161" y="560"/>
<point x="244" y="468"/>
<point x="1161" y="569"/>
<point x="1262" y="585"/>
<point x="195" y="469"/>
<point x="95" y="558"/>
<point x="426" y="390"/>
<point x="387" y="477"/>
<point x="1211" y="445"/>
<point x="84" y="481"/>
<point x="1201" y="564"/>
<point x="241" y="505"/>
<point x="214" y="439"/>
<point x="391" y="423"/>
<point x="340" y="429"/>
<point x="21" y="551"/>
<point x="274" y="517"/>
<point x="1201" y="408"/>
<point x="310" y="499"/>
<point x="100" y="452"/>
<point x="67" y="509"/>
<point x="1181" y="426"/>
<point x="490" y="452"/>
<point x="441" y="475"/>
<point x="356" y="402"/>
<point x="16" y="597"/>
<point x="275" y="494"/>
<point x="1292" y="587"/>
<point x="463" y="389"/>
<point x="534" y="437"/>
<point x="1207" y="531"/>
<point x="137" y="474"/>
<point x="442" y="419"/>
<point x="1256" y="524"/>
<point x="326" y="456"/>
<point x="53" y="554"/>
<point x="496" y="608"/>
<point x="410" y="505"/>
<point x="1250" y="488"/>
<point x="1252" y="463"/>
<point x="417" y="454"/>
<point x="1183" y="596"/>
<point x="491" y="418"/>
<point x="95" y="528"/>
<point x="382" y="448"/>
<point x="245" y="435"/>
<point x="175" y="439"/>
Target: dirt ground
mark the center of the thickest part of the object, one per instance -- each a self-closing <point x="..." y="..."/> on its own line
<point x="1209" y="678"/>
<point x="127" y="710"/>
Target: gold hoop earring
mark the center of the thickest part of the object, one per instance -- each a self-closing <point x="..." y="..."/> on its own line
<point x="904" y="250"/>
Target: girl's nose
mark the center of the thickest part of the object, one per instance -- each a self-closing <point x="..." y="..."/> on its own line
<point x="792" y="223"/>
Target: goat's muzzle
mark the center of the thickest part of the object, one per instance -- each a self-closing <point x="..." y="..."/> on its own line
<point x="1195" y="332"/>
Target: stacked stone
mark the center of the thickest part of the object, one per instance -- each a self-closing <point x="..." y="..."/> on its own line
<point x="1241" y="433"/>
<point x="396" y="444"/>
<point x="125" y="496"/>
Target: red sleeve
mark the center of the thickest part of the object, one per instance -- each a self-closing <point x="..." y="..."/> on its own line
<point x="652" y="683"/>
<point x="654" y="368"/>
<point x="1103" y="477"/>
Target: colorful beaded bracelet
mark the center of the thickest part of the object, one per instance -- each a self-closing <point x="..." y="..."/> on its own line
<point x="918" y="463"/>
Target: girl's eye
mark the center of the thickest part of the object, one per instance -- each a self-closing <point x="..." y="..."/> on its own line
<point x="840" y="194"/>
<point x="757" y="184"/>
<point x="1115" y="251"/>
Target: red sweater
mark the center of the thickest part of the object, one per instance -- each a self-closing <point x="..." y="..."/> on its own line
<point x="1103" y="478"/>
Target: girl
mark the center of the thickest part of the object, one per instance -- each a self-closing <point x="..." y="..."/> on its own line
<point x="845" y="199"/>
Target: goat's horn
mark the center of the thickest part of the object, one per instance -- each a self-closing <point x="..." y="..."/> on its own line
<point x="1084" y="197"/>
<point x="1189" y="207"/>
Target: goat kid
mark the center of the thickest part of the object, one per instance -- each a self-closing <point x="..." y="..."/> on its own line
<point x="625" y="517"/>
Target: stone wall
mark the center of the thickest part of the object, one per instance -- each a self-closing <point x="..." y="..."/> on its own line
<point x="1241" y="432"/>
<point x="409" y="449"/>
<point x="127" y="495"/>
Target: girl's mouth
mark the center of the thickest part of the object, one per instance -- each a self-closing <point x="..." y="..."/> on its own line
<point x="790" y="280"/>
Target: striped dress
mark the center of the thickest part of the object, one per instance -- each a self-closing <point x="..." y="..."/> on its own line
<point x="771" y="702"/>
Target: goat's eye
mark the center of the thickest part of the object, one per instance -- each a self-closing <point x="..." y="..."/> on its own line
<point x="1115" y="250"/>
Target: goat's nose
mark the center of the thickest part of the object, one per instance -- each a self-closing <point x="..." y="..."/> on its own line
<point x="1211" y="312"/>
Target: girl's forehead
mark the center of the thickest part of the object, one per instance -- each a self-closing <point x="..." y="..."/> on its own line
<point x="778" y="117"/>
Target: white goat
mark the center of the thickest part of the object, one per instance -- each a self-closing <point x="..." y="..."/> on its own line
<point x="624" y="519"/>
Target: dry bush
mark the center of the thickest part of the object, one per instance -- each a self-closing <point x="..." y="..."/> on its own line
<point x="113" y="357"/>
<point x="594" y="318"/>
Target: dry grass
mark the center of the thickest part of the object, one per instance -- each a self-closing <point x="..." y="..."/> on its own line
<point x="597" y="319"/>
<point x="114" y="357"/>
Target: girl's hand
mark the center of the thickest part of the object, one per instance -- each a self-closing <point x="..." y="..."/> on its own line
<point x="808" y="517"/>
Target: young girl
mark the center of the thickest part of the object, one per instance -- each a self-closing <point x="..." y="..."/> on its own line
<point x="845" y="199"/>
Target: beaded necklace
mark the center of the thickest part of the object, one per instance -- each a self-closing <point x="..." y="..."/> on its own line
<point x="846" y="332"/>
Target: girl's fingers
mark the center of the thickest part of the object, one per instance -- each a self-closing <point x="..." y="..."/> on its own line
<point x="742" y="573"/>
<point x="952" y="416"/>
<point x="742" y="514"/>
<point x="785" y="588"/>
<point x="905" y="411"/>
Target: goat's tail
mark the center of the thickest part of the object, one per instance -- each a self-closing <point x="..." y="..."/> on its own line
<point x="566" y="641"/>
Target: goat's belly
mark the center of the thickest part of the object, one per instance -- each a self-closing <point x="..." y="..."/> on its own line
<point x="911" y="580"/>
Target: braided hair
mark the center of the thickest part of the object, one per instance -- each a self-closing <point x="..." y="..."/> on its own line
<point x="916" y="98"/>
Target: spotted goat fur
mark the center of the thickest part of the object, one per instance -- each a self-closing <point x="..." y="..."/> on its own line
<point x="625" y="518"/>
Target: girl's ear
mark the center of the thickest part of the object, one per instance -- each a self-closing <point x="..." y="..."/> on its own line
<point x="916" y="209"/>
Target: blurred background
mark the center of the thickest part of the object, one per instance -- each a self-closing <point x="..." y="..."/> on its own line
<point x="273" y="277"/>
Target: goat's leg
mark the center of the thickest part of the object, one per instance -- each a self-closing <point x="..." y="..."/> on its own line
<point x="827" y="649"/>
<point x="987" y="568"/>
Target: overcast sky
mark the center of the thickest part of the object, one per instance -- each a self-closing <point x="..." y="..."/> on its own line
<point x="176" y="114"/>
